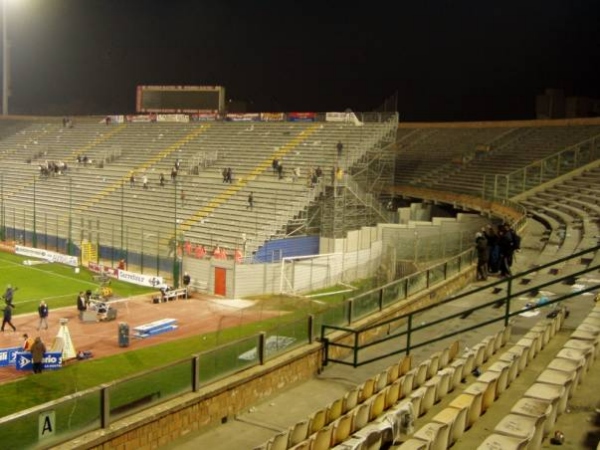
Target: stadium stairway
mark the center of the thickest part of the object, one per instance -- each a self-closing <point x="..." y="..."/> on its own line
<point x="271" y="424"/>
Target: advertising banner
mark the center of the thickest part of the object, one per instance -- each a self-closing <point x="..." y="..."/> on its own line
<point x="8" y="356"/>
<point x="347" y="116"/>
<point x="46" y="255"/>
<point x="203" y="117"/>
<point x="99" y="268"/>
<point x="246" y="117"/>
<point x="140" y="279"/>
<point x="272" y="117"/>
<point x="141" y="118"/>
<point x="181" y="118"/>
<point x="301" y="116"/>
<point x="52" y="360"/>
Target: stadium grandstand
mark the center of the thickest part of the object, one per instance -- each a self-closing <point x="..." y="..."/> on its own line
<point x="427" y="358"/>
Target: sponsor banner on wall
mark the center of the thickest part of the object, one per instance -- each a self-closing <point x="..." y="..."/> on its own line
<point x="8" y="356"/>
<point x="203" y="117"/>
<point x="342" y="117"/>
<point x="301" y="117"/>
<point x="272" y="117"/>
<point x="243" y="117"/>
<point x="114" y="119"/>
<point x="140" y="279"/>
<point x="99" y="268"/>
<point x="141" y="118"/>
<point x="46" y="255"/>
<point x="181" y="118"/>
<point x="52" y="360"/>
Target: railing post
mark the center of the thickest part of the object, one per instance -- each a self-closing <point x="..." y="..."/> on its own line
<point x="350" y="310"/>
<point x="195" y="373"/>
<point x="355" y="350"/>
<point x="508" y="297"/>
<point x="311" y="332"/>
<point x="104" y="407"/>
<point x="380" y="299"/>
<point x="261" y="347"/>
<point x="325" y="358"/>
<point x="408" y="331"/>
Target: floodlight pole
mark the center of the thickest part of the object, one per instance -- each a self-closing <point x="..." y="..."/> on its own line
<point x="5" y="60"/>
<point x="34" y="237"/>
<point x="175" y="241"/>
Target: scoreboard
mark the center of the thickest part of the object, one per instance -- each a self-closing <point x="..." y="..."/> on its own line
<point x="180" y="99"/>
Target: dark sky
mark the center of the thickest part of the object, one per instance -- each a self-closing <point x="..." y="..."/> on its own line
<point x="446" y="60"/>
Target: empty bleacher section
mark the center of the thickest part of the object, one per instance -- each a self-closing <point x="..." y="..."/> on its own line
<point x="467" y="158"/>
<point x="92" y="196"/>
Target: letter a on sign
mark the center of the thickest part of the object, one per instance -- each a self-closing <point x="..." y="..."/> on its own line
<point x="46" y="424"/>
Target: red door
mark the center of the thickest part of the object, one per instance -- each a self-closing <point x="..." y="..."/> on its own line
<point x="220" y="281"/>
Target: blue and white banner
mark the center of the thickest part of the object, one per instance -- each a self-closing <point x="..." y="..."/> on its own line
<point x="8" y="356"/>
<point x="52" y="360"/>
<point x="46" y="255"/>
<point x="140" y="279"/>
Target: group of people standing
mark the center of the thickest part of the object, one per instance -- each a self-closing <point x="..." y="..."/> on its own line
<point x="495" y="250"/>
<point x="35" y="346"/>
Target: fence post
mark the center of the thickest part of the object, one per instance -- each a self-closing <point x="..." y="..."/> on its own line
<point x="408" y="331"/>
<point x="311" y="331"/>
<point x="196" y="373"/>
<point x="508" y="297"/>
<point x="380" y="300"/>
<point x="350" y="310"/>
<point x="104" y="407"/>
<point x="261" y="347"/>
<point x="325" y="357"/>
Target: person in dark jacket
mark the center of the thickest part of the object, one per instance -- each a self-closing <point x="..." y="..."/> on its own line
<point x="482" y="256"/>
<point x="7" y="317"/>
<point x="37" y="355"/>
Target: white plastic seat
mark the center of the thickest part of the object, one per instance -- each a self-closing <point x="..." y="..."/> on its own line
<point x="436" y="433"/>
<point x="548" y="393"/>
<point x="407" y="384"/>
<point x="519" y="353"/>
<point x="456" y="419"/>
<point x="299" y="432"/>
<point x="503" y="369"/>
<point x="414" y="444"/>
<point x="577" y="355"/>
<point x="458" y="365"/>
<point x="569" y="366"/>
<point x="558" y="378"/>
<point x="434" y="364"/>
<point x="492" y="377"/>
<point x="472" y="404"/>
<point x="506" y="334"/>
<point x="426" y="395"/>
<point x="422" y="371"/>
<point x="544" y="330"/>
<point x="341" y="429"/>
<point x="540" y="409"/>
<point x="524" y="427"/>
<point x="454" y="377"/>
<point x="350" y="400"/>
<point x="487" y="391"/>
<point x="530" y="346"/>
<point x="480" y="353"/>
<point x="497" y="441"/>
<point x="490" y="347"/>
<point x="280" y="441"/>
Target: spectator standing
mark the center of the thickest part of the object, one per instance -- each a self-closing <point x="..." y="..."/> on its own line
<point x="7" y="317"/>
<point x="131" y="179"/>
<point x="483" y="256"/>
<point x="9" y="295"/>
<point x="81" y="304"/>
<point x="161" y="179"/>
<point x="145" y="182"/>
<point x="27" y="343"/>
<point x="43" y="313"/>
<point x="340" y="149"/>
<point x="250" y="201"/>
<point x="37" y="355"/>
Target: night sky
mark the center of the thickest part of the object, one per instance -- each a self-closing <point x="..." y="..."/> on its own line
<point x="445" y="60"/>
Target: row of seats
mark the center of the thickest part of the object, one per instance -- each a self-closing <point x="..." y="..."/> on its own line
<point x="466" y="408"/>
<point x="533" y="417"/>
<point x="348" y="417"/>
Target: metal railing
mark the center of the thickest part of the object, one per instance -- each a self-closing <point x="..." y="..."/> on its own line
<point x="406" y="327"/>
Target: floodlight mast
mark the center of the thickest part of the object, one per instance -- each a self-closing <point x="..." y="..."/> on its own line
<point x="5" y="60"/>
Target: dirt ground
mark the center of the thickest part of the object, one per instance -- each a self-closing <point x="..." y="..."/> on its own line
<point x="195" y="316"/>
